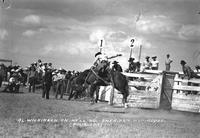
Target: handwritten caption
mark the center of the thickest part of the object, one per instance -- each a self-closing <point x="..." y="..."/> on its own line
<point x="87" y="122"/>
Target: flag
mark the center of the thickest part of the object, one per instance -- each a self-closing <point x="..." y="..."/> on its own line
<point x="138" y="17"/>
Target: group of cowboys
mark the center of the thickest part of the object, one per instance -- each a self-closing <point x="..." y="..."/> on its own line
<point x="49" y="77"/>
<point x="36" y="73"/>
<point x="147" y="64"/>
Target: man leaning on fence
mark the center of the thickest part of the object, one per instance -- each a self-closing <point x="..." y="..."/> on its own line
<point x="188" y="72"/>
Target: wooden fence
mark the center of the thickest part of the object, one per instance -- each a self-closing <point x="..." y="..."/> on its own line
<point x="186" y="94"/>
<point x="144" y="90"/>
<point x="156" y="89"/>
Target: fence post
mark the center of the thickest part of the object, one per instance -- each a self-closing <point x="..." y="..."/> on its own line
<point x="112" y="95"/>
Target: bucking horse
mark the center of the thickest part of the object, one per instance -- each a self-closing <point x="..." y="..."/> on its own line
<point x="95" y="77"/>
<point x="104" y="77"/>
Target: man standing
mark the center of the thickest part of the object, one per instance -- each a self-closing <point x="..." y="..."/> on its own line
<point x="116" y="66"/>
<point x="60" y="83"/>
<point x="32" y="78"/>
<point x="147" y="64"/>
<point x="47" y="82"/>
<point x="155" y="63"/>
<point x="132" y="66"/>
<point x="168" y="62"/>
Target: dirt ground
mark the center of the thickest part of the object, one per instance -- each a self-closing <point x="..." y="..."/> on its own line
<point x="29" y="115"/>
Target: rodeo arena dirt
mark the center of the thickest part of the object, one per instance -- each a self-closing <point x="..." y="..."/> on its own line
<point x="159" y="104"/>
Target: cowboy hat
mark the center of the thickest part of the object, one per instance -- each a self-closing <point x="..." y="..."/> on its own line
<point x="115" y="62"/>
<point x="154" y="57"/>
<point x="182" y="62"/>
<point x="131" y="59"/>
<point x="98" y="53"/>
<point x="147" y="57"/>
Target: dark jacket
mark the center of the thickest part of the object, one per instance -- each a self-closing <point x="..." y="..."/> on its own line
<point x="47" y="78"/>
<point x="117" y="67"/>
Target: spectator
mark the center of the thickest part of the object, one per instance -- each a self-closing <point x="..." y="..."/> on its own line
<point x="132" y="65"/>
<point x="188" y="72"/>
<point x="60" y="83"/>
<point x="32" y="78"/>
<point x="2" y="73"/>
<point x="50" y="66"/>
<point x="54" y="80"/>
<point x="197" y="68"/>
<point x="14" y="82"/>
<point x="116" y="66"/>
<point x="147" y="64"/>
<point x="155" y="63"/>
<point x="168" y="62"/>
<point x="47" y="83"/>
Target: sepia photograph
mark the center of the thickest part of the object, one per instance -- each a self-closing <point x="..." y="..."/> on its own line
<point x="100" y="68"/>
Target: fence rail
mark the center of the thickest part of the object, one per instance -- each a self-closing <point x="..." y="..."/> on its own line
<point x="186" y="96"/>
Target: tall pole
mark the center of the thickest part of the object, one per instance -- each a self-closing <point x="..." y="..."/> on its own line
<point x="140" y="53"/>
<point x="101" y="46"/>
<point x="131" y="46"/>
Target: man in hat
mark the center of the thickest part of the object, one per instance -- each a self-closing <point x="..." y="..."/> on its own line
<point x="50" y="66"/>
<point x="147" y="64"/>
<point x="188" y="72"/>
<point x="132" y="66"/>
<point x="99" y="57"/>
<point x="32" y="77"/>
<point x="155" y="63"/>
<point x="47" y="83"/>
<point x="168" y="62"/>
<point x="14" y="82"/>
<point x="60" y="83"/>
<point x="116" y="66"/>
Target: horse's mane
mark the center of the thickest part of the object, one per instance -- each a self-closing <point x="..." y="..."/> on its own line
<point x="85" y="72"/>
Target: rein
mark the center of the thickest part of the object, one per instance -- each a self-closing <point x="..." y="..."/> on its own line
<point x="106" y="82"/>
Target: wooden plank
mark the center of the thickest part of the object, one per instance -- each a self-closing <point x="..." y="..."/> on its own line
<point x="138" y="83"/>
<point x="186" y="88"/>
<point x="190" y="103"/>
<point x="186" y="80"/>
<point x="183" y="108"/>
<point x="154" y="71"/>
<point x="186" y="97"/>
<point x="143" y="98"/>
<point x="139" y="75"/>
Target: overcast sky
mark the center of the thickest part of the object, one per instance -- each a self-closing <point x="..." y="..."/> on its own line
<point x="67" y="32"/>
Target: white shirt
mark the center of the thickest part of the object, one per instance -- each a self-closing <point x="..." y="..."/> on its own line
<point x="100" y="58"/>
<point x="154" y="63"/>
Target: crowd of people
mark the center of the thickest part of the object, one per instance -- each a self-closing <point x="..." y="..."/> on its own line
<point x="146" y="65"/>
<point x="37" y="74"/>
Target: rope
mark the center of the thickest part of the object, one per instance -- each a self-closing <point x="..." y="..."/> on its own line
<point x="106" y="82"/>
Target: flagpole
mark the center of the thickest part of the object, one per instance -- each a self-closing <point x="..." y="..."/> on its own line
<point x="140" y="53"/>
<point x="131" y="46"/>
<point x="101" y="46"/>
